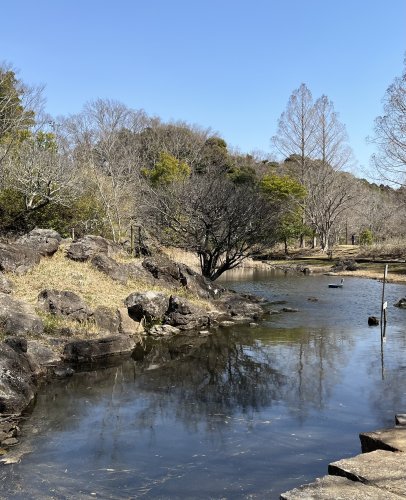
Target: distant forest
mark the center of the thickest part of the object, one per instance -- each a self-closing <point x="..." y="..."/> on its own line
<point x="111" y="168"/>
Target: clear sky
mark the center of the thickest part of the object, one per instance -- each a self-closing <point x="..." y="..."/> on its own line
<point x="226" y="64"/>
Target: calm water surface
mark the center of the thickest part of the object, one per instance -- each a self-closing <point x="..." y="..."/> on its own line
<point x="245" y="413"/>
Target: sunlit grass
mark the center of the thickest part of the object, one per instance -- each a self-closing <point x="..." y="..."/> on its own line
<point x="60" y="273"/>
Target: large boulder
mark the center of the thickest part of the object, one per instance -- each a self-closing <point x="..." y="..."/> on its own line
<point x="196" y="283"/>
<point x="64" y="303"/>
<point x="184" y="315"/>
<point x="106" y="320"/>
<point x="43" y="241"/>
<point x="107" y="265"/>
<point x="79" y="351"/>
<point x="138" y="273"/>
<point x="89" y="246"/>
<point x="241" y="307"/>
<point x="18" y="318"/>
<point x="17" y="381"/>
<point x="42" y="356"/>
<point x="147" y="306"/>
<point x="17" y="258"/>
<point x="127" y="325"/>
<point x="163" y="268"/>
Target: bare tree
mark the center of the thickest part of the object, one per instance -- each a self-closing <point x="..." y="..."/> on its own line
<point x="102" y="140"/>
<point x="222" y="222"/>
<point x="39" y="173"/>
<point x="329" y="196"/>
<point x="295" y="137"/>
<point x="331" y="136"/>
<point x="20" y="107"/>
<point x="390" y="133"/>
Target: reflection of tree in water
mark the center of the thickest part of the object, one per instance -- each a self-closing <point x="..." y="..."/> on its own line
<point x="311" y="361"/>
<point x="387" y="366"/>
<point x="216" y="379"/>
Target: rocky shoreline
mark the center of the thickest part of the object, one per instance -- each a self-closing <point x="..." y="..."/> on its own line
<point x="38" y="345"/>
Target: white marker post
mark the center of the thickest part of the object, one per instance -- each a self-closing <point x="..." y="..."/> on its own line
<point x="384" y="305"/>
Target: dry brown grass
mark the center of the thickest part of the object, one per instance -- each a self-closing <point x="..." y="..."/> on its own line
<point x="97" y="289"/>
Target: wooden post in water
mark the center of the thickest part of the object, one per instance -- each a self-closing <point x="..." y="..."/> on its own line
<point x="384" y="305"/>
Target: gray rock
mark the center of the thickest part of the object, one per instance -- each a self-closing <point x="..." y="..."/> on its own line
<point x="184" y="315"/>
<point x="373" y="321"/>
<point x="163" y="330"/>
<point x="163" y="268"/>
<point x="64" y="303"/>
<point x="106" y="320"/>
<point x="89" y="246"/>
<point x="18" y="318"/>
<point x="43" y="241"/>
<point x="345" y="265"/>
<point x="17" y="258"/>
<point x="6" y="286"/>
<point x="198" y="284"/>
<point x="148" y="306"/>
<point x="19" y="344"/>
<point x="63" y="371"/>
<point x="110" y="267"/>
<point x="96" y="349"/>
<point x="289" y="310"/>
<point x="17" y="381"/>
<point x="137" y="272"/>
<point x="238" y="305"/>
<point x="41" y="354"/>
<point x="128" y="326"/>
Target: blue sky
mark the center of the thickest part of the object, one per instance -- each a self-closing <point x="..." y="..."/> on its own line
<point x="226" y="64"/>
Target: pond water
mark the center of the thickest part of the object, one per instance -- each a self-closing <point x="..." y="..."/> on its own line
<point x="245" y="413"/>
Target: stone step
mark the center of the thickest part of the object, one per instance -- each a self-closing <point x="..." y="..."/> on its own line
<point x="335" y="487"/>
<point x="385" y="470"/>
<point x="393" y="439"/>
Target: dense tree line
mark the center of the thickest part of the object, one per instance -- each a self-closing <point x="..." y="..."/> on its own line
<point x="111" y="167"/>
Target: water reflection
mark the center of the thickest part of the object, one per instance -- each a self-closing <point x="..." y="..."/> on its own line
<point x="243" y="413"/>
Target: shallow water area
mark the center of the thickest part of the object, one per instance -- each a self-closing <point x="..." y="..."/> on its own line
<point x="244" y="413"/>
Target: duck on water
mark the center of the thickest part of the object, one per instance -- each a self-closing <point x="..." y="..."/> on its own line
<point x="337" y="285"/>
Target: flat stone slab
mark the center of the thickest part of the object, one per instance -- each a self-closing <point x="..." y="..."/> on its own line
<point x="338" y="488"/>
<point x="385" y="470"/>
<point x="393" y="439"/>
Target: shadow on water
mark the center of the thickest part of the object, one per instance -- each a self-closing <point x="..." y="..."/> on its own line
<point x="243" y="413"/>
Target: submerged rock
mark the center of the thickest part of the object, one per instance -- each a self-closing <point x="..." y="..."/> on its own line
<point x="401" y="303"/>
<point x="373" y="321"/>
<point x="96" y="349"/>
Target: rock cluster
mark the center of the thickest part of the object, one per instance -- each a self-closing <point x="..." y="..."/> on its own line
<point x="24" y="360"/>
